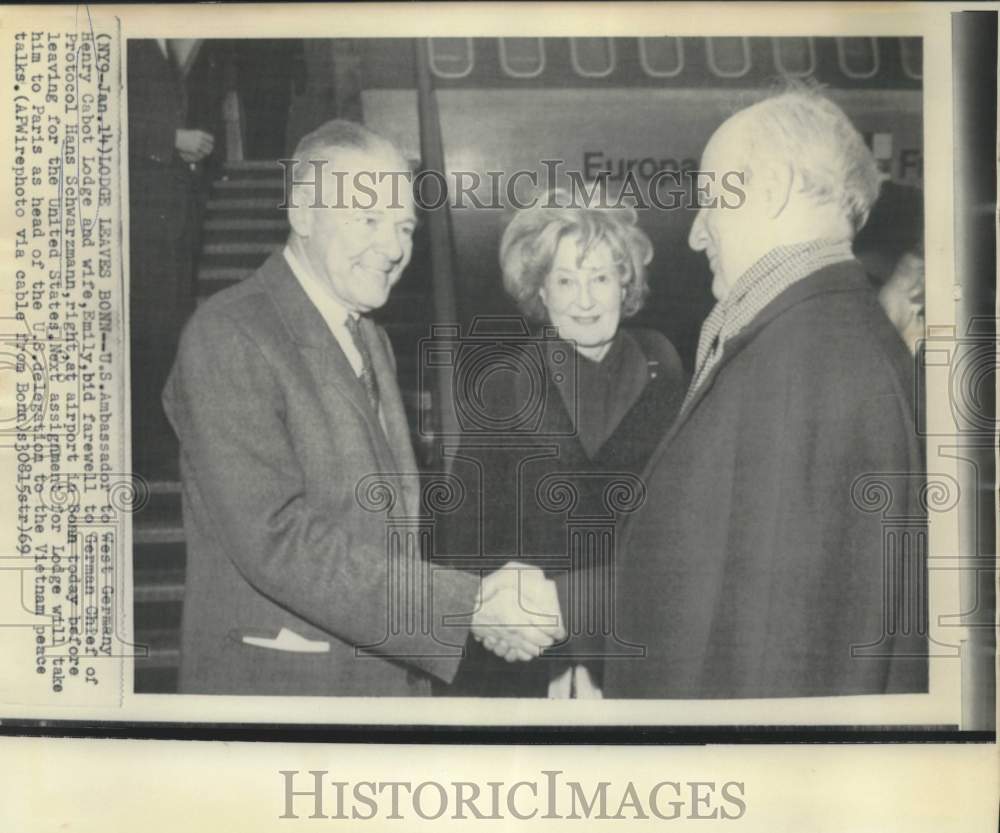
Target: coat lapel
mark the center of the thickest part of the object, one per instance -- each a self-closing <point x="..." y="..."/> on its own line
<point x="840" y="277"/>
<point x="326" y="360"/>
<point x="396" y="439"/>
<point x="306" y="327"/>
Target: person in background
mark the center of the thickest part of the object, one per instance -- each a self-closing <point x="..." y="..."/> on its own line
<point x="902" y="298"/>
<point x="891" y="248"/>
<point x="605" y="394"/>
<point x="268" y="71"/>
<point x="165" y="154"/>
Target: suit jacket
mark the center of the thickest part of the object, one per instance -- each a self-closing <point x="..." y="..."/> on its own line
<point x="756" y="568"/>
<point x="288" y="575"/>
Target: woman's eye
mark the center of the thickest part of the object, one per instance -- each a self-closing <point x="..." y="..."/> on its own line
<point x="601" y="279"/>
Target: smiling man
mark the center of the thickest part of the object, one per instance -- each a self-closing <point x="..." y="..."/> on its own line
<point x="756" y="567"/>
<point x="284" y="397"/>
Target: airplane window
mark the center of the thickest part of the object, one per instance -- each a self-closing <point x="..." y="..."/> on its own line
<point x="729" y="57"/>
<point x="451" y="57"/>
<point x="592" y="57"/>
<point x="661" y="57"/>
<point x="913" y="57"/>
<point x="522" y="57"/>
<point x="794" y="56"/>
<point x="858" y="57"/>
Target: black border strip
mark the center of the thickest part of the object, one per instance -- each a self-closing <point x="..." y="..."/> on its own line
<point x="494" y="735"/>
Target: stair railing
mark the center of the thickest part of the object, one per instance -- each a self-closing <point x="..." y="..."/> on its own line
<point x="232" y="115"/>
<point x="441" y="240"/>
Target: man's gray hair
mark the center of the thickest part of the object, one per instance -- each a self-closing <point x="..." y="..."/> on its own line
<point x="322" y="144"/>
<point x="801" y="127"/>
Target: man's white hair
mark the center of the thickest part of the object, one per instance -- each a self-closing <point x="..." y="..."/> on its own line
<point x="804" y="129"/>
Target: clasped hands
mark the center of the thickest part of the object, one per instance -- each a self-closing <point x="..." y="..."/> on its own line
<point x="518" y="615"/>
<point x="193" y="145"/>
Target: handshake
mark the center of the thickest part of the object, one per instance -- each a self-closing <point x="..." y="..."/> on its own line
<point x="518" y="615"/>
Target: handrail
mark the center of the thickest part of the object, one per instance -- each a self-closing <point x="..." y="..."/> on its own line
<point x="441" y="238"/>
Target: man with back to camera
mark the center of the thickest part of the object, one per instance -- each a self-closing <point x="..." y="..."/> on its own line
<point x="284" y="397"/>
<point x="751" y="570"/>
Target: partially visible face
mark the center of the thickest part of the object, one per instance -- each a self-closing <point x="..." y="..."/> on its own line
<point x="584" y="299"/>
<point x="901" y="298"/>
<point x="361" y="251"/>
<point x="725" y="232"/>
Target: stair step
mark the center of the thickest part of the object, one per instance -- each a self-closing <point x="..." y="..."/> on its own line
<point x="168" y="587"/>
<point x="276" y="238"/>
<point x="257" y="248"/>
<point x="252" y="183"/>
<point x="224" y="273"/>
<point x="165" y="487"/>
<point x="161" y="533"/>
<point x="157" y="623"/>
<point x="236" y="260"/>
<point x="246" y="224"/>
<point x="164" y="657"/>
<point x="160" y="509"/>
<point x="155" y="680"/>
<point x="161" y="645"/>
<point x="161" y="658"/>
<point x="243" y="204"/>
<point x="253" y="165"/>
<point x="250" y="190"/>
<point x="156" y="559"/>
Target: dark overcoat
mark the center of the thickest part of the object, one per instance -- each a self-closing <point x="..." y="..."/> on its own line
<point x="163" y="230"/>
<point x="294" y="584"/>
<point x="759" y="565"/>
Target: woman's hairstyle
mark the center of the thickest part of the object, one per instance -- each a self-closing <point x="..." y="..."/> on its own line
<point x="529" y="244"/>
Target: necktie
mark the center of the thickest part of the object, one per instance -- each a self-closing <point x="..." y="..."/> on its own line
<point x="367" y="377"/>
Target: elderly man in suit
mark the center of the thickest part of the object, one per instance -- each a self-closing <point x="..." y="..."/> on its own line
<point x="754" y="569"/>
<point x="285" y="400"/>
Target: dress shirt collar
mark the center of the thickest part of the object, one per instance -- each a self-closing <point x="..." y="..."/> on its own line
<point x="334" y="313"/>
<point x="765" y="280"/>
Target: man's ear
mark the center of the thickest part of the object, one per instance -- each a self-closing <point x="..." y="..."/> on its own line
<point x="776" y="181"/>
